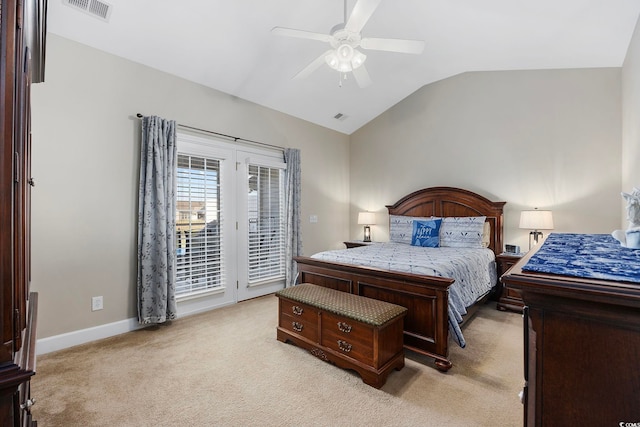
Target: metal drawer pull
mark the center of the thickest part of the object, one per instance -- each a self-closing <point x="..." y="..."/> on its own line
<point x="344" y="327"/>
<point x="297" y="326"/>
<point x="523" y="392"/>
<point x="28" y="404"/>
<point x="344" y="346"/>
<point x="297" y="310"/>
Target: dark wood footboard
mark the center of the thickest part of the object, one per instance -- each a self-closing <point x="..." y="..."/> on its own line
<point x="426" y="326"/>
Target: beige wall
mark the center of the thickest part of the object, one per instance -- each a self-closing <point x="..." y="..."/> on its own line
<point x="631" y="118"/>
<point x="549" y="139"/>
<point x="85" y="163"/>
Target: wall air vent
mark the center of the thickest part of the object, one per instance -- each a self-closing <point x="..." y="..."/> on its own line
<point x="97" y="9"/>
<point x="340" y="116"/>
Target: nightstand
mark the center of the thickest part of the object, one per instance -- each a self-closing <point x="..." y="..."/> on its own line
<point x="510" y="299"/>
<point x="355" y="243"/>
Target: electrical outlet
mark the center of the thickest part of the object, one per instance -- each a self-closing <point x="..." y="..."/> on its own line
<point x="96" y="303"/>
<point x="313" y="219"/>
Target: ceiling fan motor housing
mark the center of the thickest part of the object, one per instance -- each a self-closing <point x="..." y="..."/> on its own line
<point x="341" y="36"/>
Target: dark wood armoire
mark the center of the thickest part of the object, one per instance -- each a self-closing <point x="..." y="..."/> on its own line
<point x="22" y="47"/>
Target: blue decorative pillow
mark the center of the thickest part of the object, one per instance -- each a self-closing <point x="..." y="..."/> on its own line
<point x="426" y="233"/>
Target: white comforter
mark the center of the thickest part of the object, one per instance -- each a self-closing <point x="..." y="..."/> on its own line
<point x="474" y="270"/>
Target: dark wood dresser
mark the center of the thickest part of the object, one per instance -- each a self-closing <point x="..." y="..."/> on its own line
<point x="582" y="349"/>
<point x="22" y="40"/>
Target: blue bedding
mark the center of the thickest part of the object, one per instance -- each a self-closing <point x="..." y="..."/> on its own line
<point x="473" y="270"/>
<point x="591" y="256"/>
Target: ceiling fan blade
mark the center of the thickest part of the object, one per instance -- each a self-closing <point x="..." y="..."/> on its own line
<point x="393" y="45"/>
<point x="314" y="65"/>
<point x="290" y="32"/>
<point x="362" y="76"/>
<point x="360" y="14"/>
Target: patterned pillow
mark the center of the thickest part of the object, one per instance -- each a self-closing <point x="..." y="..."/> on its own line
<point x="462" y="232"/>
<point x="426" y="233"/>
<point x="401" y="228"/>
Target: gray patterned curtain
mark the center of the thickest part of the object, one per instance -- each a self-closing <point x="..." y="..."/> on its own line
<point x="156" y="221"/>
<point x="293" y="238"/>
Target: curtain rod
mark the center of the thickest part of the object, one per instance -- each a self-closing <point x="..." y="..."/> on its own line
<point x="234" y="138"/>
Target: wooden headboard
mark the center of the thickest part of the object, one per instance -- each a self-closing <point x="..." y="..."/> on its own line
<point x="449" y="201"/>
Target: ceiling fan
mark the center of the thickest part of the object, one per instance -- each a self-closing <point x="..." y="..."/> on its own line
<point x="345" y="39"/>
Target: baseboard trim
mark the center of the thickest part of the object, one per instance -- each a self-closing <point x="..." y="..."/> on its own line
<point x="83" y="336"/>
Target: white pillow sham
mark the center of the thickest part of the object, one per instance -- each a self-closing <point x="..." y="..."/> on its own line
<point x="462" y="232"/>
<point x="401" y="228"/>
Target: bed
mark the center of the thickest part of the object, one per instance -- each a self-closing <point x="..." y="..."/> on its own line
<point x="426" y="326"/>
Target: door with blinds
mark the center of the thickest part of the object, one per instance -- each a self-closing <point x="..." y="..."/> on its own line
<point x="205" y="225"/>
<point x="229" y="223"/>
<point x="261" y="223"/>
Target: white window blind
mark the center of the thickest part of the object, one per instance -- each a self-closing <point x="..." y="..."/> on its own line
<point x="266" y="244"/>
<point x="198" y="225"/>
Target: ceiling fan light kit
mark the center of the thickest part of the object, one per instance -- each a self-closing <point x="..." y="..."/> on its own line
<point x="345" y="39"/>
<point x="345" y="59"/>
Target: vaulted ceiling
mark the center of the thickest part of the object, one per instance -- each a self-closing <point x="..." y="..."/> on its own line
<point x="228" y="45"/>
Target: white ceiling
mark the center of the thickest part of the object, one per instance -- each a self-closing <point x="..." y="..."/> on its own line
<point x="227" y="45"/>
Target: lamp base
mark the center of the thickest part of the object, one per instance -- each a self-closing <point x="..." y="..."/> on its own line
<point x="534" y="238"/>
<point x="367" y="234"/>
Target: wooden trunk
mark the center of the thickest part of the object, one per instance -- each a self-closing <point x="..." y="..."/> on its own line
<point x="372" y="350"/>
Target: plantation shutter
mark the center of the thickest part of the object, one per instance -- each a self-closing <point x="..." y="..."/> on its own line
<point x="198" y="225"/>
<point x="266" y="234"/>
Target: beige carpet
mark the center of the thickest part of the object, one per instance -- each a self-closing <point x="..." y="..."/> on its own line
<point x="226" y="368"/>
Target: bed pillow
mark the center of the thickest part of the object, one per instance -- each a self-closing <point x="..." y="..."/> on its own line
<point x="486" y="234"/>
<point x="401" y="228"/>
<point x="462" y="232"/>
<point x="426" y="233"/>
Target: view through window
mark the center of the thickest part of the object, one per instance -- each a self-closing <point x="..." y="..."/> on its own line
<point x="266" y="223"/>
<point x="198" y="225"/>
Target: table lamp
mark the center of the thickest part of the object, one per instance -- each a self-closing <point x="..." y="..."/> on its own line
<point x="367" y="219"/>
<point x="536" y="220"/>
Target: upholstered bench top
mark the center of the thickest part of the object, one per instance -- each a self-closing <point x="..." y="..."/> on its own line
<point x="362" y="309"/>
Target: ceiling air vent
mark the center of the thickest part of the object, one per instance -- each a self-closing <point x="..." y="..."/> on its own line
<point x="95" y="8"/>
<point x="340" y="116"/>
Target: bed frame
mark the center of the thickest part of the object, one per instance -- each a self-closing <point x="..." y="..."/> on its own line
<point x="426" y="329"/>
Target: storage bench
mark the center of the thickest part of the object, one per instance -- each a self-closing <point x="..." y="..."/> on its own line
<point x="350" y="331"/>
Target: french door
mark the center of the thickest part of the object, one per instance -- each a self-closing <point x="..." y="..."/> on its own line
<point x="261" y="224"/>
<point x="229" y="223"/>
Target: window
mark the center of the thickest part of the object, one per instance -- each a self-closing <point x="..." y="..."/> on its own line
<point x="198" y="225"/>
<point x="266" y="234"/>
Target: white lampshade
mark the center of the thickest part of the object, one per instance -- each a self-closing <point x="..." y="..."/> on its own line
<point x="536" y="220"/>
<point x="366" y="218"/>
